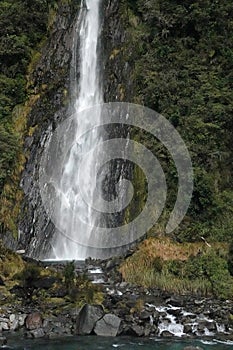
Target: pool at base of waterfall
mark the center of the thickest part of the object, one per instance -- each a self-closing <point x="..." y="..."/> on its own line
<point x="124" y="343"/>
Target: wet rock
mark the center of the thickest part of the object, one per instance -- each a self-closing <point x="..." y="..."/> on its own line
<point x="199" y="302"/>
<point x="175" y="301"/>
<point x="21" y="319"/>
<point x="149" y="330"/>
<point x="3" y="341"/>
<point x="144" y="315"/>
<point x="192" y="348"/>
<point x="167" y="334"/>
<point x="188" y="328"/>
<point x="37" y="333"/>
<point x="137" y="330"/>
<point x="175" y="312"/>
<point x="34" y="321"/>
<point x="203" y="325"/>
<point x="5" y="326"/>
<point x="108" y="326"/>
<point x="87" y="318"/>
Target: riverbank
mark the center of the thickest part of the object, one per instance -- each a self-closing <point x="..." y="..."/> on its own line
<point x="107" y="306"/>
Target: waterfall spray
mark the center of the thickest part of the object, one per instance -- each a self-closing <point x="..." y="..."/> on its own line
<point x="87" y="91"/>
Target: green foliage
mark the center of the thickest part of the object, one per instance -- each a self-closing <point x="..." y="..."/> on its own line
<point x="22" y="26"/>
<point x="181" y="267"/>
<point x="27" y="277"/>
<point x="213" y="268"/>
<point x="158" y="264"/>
<point x="8" y="151"/>
<point x="182" y="53"/>
<point x="69" y="275"/>
<point x="79" y="289"/>
<point x="30" y="274"/>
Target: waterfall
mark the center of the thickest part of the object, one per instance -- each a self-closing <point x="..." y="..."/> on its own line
<point x="87" y="91"/>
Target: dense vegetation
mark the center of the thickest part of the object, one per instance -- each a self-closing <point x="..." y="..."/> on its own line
<point x="22" y="26"/>
<point x="181" y="268"/>
<point x="30" y="283"/>
<point x="182" y="58"/>
<point x="182" y="52"/>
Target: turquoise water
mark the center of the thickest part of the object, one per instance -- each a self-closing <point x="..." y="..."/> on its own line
<point x="98" y="343"/>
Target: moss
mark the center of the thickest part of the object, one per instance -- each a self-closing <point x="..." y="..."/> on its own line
<point x="35" y="58"/>
<point x="137" y="204"/>
<point x="54" y="301"/>
<point x="31" y="130"/>
<point x="12" y="195"/>
<point x="10" y="263"/>
<point x="231" y="319"/>
<point x="98" y="298"/>
<point x="114" y="53"/>
<point x="138" y="307"/>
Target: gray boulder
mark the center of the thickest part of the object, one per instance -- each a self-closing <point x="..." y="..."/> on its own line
<point x="138" y="330"/>
<point x="87" y="318"/>
<point x="167" y="334"/>
<point x="108" y="326"/>
<point x="37" y="333"/>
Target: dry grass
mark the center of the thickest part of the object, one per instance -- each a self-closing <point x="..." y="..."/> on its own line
<point x="140" y="268"/>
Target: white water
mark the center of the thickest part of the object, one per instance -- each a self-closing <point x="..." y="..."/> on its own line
<point x="169" y="322"/>
<point x="87" y="92"/>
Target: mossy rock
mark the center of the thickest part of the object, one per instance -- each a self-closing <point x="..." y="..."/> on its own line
<point x="10" y="263"/>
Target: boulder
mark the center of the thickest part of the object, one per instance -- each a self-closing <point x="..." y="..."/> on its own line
<point x="167" y="334"/>
<point x="138" y="330"/>
<point x="87" y="318"/>
<point x="3" y="341"/>
<point x="188" y="329"/>
<point x="144" y="315"/>
<point x="34" y="321"/>
<point x="21" y="319"/>
<point x="38" y="333"/>
<point x="175" y="301"/>
<point x="203" y="325"/>
<point x="108" y="326"/>
<point x="4" y="326"/>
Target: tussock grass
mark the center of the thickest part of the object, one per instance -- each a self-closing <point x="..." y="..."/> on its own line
<point x="150" y="265"/>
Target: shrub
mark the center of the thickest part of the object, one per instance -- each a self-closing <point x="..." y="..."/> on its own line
<point x="214" y="268"/>
<point x="69" y="275"/>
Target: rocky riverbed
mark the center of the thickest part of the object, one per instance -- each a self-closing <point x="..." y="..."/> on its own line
<point x="125" y="310"/>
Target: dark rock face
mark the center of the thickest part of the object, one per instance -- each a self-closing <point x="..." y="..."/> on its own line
<point x="108" y="326"/>
<point x="51" y="86"/>
<point x="116" y="52"/>
<point x="87" y="318"/>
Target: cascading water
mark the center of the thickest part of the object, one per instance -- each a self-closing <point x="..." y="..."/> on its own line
<point x="87" y="91"/>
